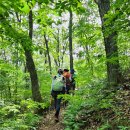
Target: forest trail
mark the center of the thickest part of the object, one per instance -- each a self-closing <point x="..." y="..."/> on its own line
<point x="48" y="122"/>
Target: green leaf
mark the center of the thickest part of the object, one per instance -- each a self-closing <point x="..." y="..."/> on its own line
<point x="25" y="8"/>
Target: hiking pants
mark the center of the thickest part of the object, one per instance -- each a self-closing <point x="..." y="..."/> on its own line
<point x="57" y="106"/>
<point x="67" y="89"/>
<point x="57" y="101"/>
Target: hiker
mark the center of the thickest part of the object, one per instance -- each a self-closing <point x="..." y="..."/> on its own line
<point x="67" y="77"/>
<point x="57" y="88"/>
<point x="73" y="76"/>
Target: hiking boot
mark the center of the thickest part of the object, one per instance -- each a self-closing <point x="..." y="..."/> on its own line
<point x="56" y="118"/>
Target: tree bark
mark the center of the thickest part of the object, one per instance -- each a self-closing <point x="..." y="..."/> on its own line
<point x="70" y="39"/>
<point x="31" y="66"/>
<point x="63" y="53"/>
<point x="88" y="59"/>
<point x="58" y="48"/>
<point x="45" y="55"/>
<point x="47" y="50"/>
<point x="111" y="48"/>
<point x="57" y="59"/>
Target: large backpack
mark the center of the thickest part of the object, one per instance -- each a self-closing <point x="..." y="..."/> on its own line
<point x="58" y="83"/>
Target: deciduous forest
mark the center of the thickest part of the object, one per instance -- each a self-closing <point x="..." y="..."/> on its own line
<point x="37" y="37"/>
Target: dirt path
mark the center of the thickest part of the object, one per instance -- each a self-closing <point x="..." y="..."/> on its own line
<point x="48" y="122"/>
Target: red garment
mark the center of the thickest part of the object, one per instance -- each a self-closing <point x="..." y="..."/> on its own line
<point x="67" y="74"/>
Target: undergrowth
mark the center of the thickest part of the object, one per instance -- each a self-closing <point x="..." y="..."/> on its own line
<point x="21" y="116"/>
<point x="96" y="107"/>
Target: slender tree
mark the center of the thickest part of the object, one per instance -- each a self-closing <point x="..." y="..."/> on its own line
<point x="48" y="54"/>
<point x="57" y="58"/>
<point x="70" y="38"/>
<point x="58" y="47"/>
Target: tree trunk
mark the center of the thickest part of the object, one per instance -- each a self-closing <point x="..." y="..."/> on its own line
<point x="58" y="48"/>
<point x="47" y="49"/>
<point x="45" y="57"/>
<point x="63" y="53"/>
<point x="70" y="39"/>
<point x="111" y="48"/>
<point x="57" y="59"/>
<point x="31" y="66"/>
<point x="29" y="60"/>
<point x="88" y="59"/>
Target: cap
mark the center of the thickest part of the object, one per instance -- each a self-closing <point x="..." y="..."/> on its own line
<point x="60" y="71"/>
<point x="72" y="71"/>
<point x="66" y="70"/>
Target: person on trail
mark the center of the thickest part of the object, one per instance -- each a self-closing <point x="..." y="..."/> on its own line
<point x="57" y="89"/>
<point x="73" y="76"/>
<point x="67" y="77"/>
